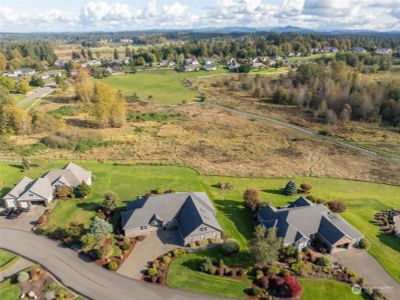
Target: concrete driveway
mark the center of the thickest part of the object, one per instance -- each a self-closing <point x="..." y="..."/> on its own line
<point x="152" y="246"/>
<point x="361" y="262"/>
<point x="25" y="220"/>
<point x="82" y="277"/>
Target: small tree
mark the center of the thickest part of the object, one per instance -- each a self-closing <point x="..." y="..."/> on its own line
<point x="207" y="266"/>
<point x="63" y="192"/>
<point x="290" y="188"/>
<point x="75" y="231"/>
<point x="88" y="241"/>
<point x="26" y="165"/>
<point x="110" y="201"/>
<point x="293" y="286"/>
<point x="100" y="229"/>
<point x="251" y="201"/>
<point x="83" y="190"/>
<point x="264" y="249"/>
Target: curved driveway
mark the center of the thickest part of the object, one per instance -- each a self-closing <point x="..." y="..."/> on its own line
<point x="82" y="277"/>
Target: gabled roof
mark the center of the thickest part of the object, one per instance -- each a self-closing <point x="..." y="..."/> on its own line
<point x="19" y="188"/>
<point x="302" y="218"/>
<point x="71" y="175"/>
<point x="40" y="187"/>
<point x="190" y="209"/>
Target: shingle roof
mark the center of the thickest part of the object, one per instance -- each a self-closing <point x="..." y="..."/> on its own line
<point x="41" y="187"/>
<point x="302" y="218"/>
<point x="19" y="188"/>
<point x="189" y="209"/>
<point x="71" y="175"/>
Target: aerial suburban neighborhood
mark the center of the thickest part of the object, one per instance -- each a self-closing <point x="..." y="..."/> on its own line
<point x="213" y="150"/>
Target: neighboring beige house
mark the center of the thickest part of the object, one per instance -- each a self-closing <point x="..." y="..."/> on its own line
<point x="396" y="221"/>
<point x="192" y="213"/>
<point x="28" y="192"/>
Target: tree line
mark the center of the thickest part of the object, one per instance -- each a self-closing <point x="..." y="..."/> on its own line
<point x="333" y="91"/>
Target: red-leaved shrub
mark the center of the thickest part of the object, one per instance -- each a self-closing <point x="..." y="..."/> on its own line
<point x="293" y="286"/>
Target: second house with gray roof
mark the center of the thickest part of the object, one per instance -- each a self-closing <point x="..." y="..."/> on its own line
<point x="191" y="213"/>
<point x="302" y="222"/>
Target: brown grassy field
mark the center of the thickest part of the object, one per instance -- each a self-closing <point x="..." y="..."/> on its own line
<point x="371" y="135"/>
<point x="214" y="142"/>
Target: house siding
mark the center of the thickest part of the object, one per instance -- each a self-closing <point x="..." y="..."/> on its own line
<point x="198" y="235"/>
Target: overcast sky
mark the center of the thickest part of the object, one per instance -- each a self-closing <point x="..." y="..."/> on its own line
<point x="86" y="15"/>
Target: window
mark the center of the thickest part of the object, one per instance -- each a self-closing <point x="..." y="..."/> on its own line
<point x="202" y="237"/>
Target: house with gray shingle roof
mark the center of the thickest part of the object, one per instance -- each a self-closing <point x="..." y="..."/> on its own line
<point x="301" y="222"/>
<point x="42" y="190"/>
<point x="192" y="213"/>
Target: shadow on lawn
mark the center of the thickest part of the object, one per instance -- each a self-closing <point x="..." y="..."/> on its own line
<point x="390" y="240"/>
<point x="274" y="191"/>
<point x="238" y="215"/>
<point x="90" y="206"/>
<point x="4" y="191"/>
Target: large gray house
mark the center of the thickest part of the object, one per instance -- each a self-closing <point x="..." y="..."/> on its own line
<point x="42" y="190"/>
<point x="192" y="213"/>
<point x="301" y="222"/>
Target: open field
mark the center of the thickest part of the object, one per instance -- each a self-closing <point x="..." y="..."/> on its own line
<point x="311" y="57"/>
<point x="165" y="86"/>
<point x="363" y="199"/>
<point x="369" y="135"/>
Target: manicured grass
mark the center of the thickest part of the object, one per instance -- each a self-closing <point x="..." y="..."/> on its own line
<point x="326" y="289"/>
<point x="308" y="58"/>
<point x="165" y="86"/>
<point x="184" y="274"/>
<point x="6" y="259"/>
<point x="363" y="199"/>
<point x="9" y="291"/>
<point x="17" y="97"/>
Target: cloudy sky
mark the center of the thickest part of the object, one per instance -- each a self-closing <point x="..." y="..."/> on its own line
<point x="114" y="15"/>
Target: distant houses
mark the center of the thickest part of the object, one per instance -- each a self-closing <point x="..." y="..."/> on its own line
<point x="21" y="72"/>
<point x="358" y="50"/>
<point x="233" y="64"/>
<point x="383" y="51"/>
<point x="41" y="191"/>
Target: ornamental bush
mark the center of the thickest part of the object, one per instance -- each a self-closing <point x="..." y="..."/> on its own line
<point x="112" y="265"/>
<point x="254" y="291"/>
<point x="363" y="244"/>
<point x="323" y="261"/>
<point x="251" y="200"/>
<point x="152" y="272"/>
<point x="179" y="252"/>
<point x="83" y="190"/>
<point x="274" y="270"/>
<point x="290" y="188"/>
<point x="22" y="277"/>
<point x="230" y="246"/>
<point x="337" y="206"/>
<point x="306" y="187"/>
<point x="166" y="259"/>
<point x="207" y="266"/>
<point x="293" y="286"/>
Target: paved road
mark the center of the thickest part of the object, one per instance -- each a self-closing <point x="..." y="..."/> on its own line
<point x="38" y="94"/>
<point x="361" y="262"/>
<point x="304" y="130"/>
<point x="83" y="277"/>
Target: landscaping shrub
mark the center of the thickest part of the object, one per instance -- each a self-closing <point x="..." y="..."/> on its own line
<point x="274" y="270"/>
<point x="152" y="272"/>
<point x="293" y="286"/>
<point x="290" y="188"/>
<point x="63" y="192"/>
<point x="254" y="291"/>
<point x="241" y="272"/>
<point x="337" y="206"/>
<point x="112" y="265"/>
<point x="363" y="243"/>
<point x="22" y="277"/>
<point x="83" y="190"/>
<point x="230" y="246"/>
<point x="192" y="245"/>
<point x="323" y="261"/>
<point x="207" y="266"/>
<point x="62" y="294"/>
<point x="179" y="252"/>
<point x="220" y="271"/>
<point x="296" y="267"/>
<point x="166" y="259"/>
<point x="264" y="282"/>
<point x="251" y="200"/>
<point x="285" y="272"/>
<point x="306" y="187"/>
<point x="202" y="243"/>
<point x="259" y="274"/>
<point x="125" y="247"/>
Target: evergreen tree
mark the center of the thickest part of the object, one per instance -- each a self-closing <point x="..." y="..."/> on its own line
<point x="26" y="165"/>
<point x="290" y="188"/>
<point x="110" y="201"/>
<point x="82" y="190"/>
<point x="264" y="248"/>
<point x="116" y="54"/>
<point x="100" y="229"/>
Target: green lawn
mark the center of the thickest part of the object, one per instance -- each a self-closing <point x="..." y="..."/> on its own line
<point x="301" y="59"/>
<point x="363" y="200"/>
<point x="9" y="291"/>
<point x="17" y="97"/>
<point x="327" y="289"/>
<point x="6" y="259"/>
<point x="183" y="274"/>
<point x="165" y="86"/>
